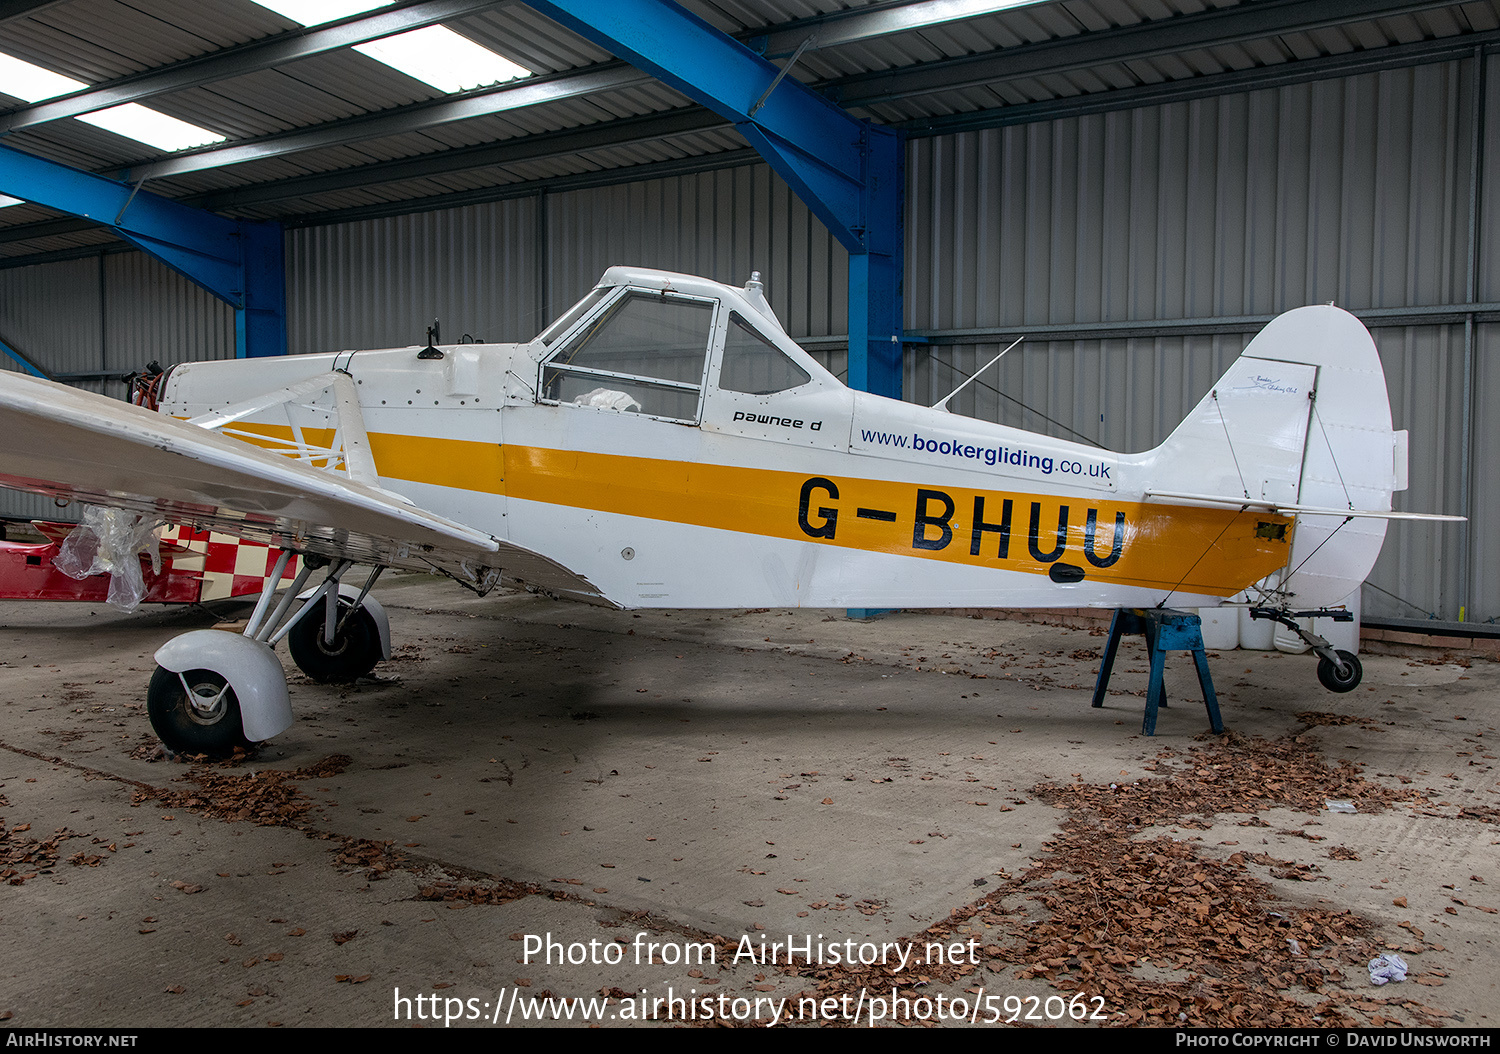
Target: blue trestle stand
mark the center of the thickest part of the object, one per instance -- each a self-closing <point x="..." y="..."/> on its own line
<point x="1165" y="630"/>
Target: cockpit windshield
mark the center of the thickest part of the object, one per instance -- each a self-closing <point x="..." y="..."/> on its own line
<point x="645" y="354"/>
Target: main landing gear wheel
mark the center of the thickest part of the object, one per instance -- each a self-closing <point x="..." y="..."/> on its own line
<point x="354" y="652"/>
<point x="195" y="712"/>
<point x="1341" y="679"/>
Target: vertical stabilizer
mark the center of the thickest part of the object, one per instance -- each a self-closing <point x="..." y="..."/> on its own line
<point x="1301" y="417"/>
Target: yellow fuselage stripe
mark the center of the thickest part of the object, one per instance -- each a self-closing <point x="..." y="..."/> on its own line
<point x="1217" y="552"/>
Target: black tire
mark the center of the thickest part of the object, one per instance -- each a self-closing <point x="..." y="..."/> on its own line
<point x="184" y="728"/>
<point x="1341" y="681"/>
<point x="354" y="652"/>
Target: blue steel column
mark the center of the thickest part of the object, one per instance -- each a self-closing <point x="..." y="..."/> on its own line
<point x="876" y="274"/>
<point x="237" y="261"/>
<point x="876" y="352"/>
<point x="849" y="172"/>
<point x="260" y="316"/>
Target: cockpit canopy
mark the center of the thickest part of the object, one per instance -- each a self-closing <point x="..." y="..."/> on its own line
<point x="653" y="343"/>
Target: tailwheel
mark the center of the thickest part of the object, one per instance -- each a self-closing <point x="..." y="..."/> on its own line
<point x="1343" y="676"/>
<point x="353" y="652"/>
<point x="195" y="712"/>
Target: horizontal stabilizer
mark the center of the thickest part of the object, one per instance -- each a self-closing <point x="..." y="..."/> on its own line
<point x="1291" y="508"/>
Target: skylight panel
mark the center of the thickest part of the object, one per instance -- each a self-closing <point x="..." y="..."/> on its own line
<point x="134" y="121"/>
<point x="920" y="15"/>
<point x="316" y="12"/>
<point x="435" y="55"/>
<point x="32" y="83"/>
<point x="442" y="58"/>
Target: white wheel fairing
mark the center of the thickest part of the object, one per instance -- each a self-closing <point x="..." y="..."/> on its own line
<point x="250" y="667"/>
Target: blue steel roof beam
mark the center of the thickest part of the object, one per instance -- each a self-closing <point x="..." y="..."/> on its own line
<point x="153" y="222"/>
<point x="245" y="58"/>
<point x="876" y="312"/>
<point x="238" y="262"/>
<point x="812" y="144"/>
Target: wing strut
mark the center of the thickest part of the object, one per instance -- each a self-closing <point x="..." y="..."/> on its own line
<point x="349" y="448"/>
<point x="338" y="609"/>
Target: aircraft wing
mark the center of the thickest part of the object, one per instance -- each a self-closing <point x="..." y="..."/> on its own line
<point x="74" y="445"/>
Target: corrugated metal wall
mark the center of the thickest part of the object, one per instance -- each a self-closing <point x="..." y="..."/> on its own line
<point x="152" y="312"/>
<point x="380" y="283"/>
<point x="1352" y="191"/>
<point x="94" y="320"/>
<point x="503" y="270"/>
<point x="51" y="314"/>
<point x="1355" y="191"/>
<point x="721" y="225"/>
<point x="1358" y="190"/>
<point x="1484" y="523"/>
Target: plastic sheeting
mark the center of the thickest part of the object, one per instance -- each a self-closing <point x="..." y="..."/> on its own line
<point x="112" y="541"/>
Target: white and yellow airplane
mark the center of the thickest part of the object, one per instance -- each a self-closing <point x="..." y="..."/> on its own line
<point x="666" y="444"/>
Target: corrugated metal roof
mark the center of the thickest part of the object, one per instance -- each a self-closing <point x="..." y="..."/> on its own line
<point x="533" y="40"/>
<point x="919" y="78"/>
<point x="99" y="40"/>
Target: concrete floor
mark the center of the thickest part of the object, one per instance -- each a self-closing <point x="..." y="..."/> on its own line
<point x="661" y="778"/>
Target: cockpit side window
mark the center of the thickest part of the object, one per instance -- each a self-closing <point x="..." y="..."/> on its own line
<point x="752" y="364"/>
<point x="645" y="354"/>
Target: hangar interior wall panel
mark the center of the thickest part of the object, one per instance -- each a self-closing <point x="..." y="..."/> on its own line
<point x="722" y="225"/>
<point x="52" y="314"/>
<point x="1484" y="524"/>
<point x="1487" y="255"/>
<point x="152" y="312"/>
<point x="379" y="283"/>
<point x="1423" y="563"/>
<point x="96" y="319"/>
<point x="504" y="270"/>
<point x="1351" y="190"/>
<point x="1354" y="191"/>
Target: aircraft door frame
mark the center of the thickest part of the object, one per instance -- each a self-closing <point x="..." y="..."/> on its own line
<point x="815" y="412"/>
<point x="635" y="392"/>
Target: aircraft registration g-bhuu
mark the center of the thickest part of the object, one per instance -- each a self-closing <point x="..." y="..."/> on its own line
<point x="666" y="444"/>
